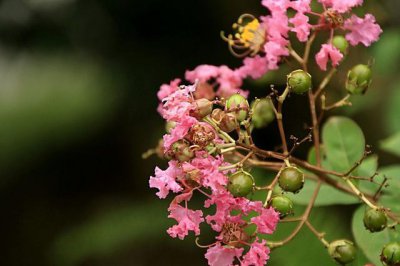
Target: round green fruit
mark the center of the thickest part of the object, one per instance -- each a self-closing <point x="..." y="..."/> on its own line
<point x="375" y="220"/>
<point x="283" y="205"/>
<point x="358" y="79"/>
<point x="240" y="184"/>
<point x="299" y="81"/>
<point x="390" y="255"/>
<point x="343" y="251"/>
<point x="238" y="105"/>
<point x="291" y="179"/>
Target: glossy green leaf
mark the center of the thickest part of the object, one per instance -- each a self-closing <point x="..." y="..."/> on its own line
<point x="392" y="144"/>
<point x="344" y="143"/>
<point x="371" y="243"/>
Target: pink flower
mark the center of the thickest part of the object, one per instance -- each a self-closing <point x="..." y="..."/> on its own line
<point x="257" y="255"/>
<point x="224" y="202"/>
<point x="274" y="51"/>
<point x="301" y="6"/>
<point x="202" y="73"/>
<point x="229" y="82"/>
<point x="165" y="181"/>
<point x="341" y="6"/>
<point x="188" y="220"/>
<point x="365" y="31"/>
<point x="178" y="104"/>
<point x="328" y="51"/>
<point x="179" y="131"/>
<point x="276" y="5"/>
<point x="254" y="67"/>
<point x="301" y="26"/>
<point x="222" y="256"/>
<point x="266" y="221"/>
<point x="168" y="89"/>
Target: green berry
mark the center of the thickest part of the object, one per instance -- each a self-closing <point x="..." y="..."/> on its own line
<point x="181" y="151"/>
<point x="390" y="255"/>
<point x="358" y="79"/>
<point x="240" y="184"/>
<point x="299" y="81"/>
<point x="340" y="43"/>
<point x="283" y="205"/>
<point x="375" y="220"/>
<point x="238" y="105"/>
<point x="263" y="113"/>
<point x="291" y="179"/>
<point x="343" y="251"/>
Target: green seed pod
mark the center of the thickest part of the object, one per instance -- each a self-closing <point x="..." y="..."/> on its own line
<point x="343" y="251"/>
<point x="238" y="105"/>
<point x="169" y="126"/>
<point x="390" y="255"/>
<point x="291" y="179"/>
<point x="358" y="79"/>
<point x="263" y="113"/>
<point x="203" y="108"/>
<point x="299" y="81"/>
<point x="283" y="205"/>
<point x="240" y="184"/>
<point x="340" y="43"/>
<point x="228" y="122"/>
<point x="375" y="220"/>
<point x="181" y="151"/>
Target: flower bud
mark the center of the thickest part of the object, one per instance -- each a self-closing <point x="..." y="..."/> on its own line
<point x="291" y="179"/>
<point x="204" y="90"/>
<point x="181" y="151"/>
<point x="340" y="43"/>
<point x="283" y="205"/>
<point x="201" y="134"/>
<point x="343" y="251"/>
<point x="217" y="115"/>
<point x="299" y="81"/>
<point x="240" y="184"/>
<point x="169" y="126"/>
<point x="375" y="220"/>
<point x="263" y="114"/>
<point x="228" y="122"/>
<point x="390" y="255"/>
<point x="358" y="79"/>
<point x="202" y="109"/>
<point x="238" y="105"/>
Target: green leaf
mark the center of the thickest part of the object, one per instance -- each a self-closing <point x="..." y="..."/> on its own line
<point x="344" y="143"/>
<point x="392" y="110"/>
<point x="392" y="144"/>
<point x="387" y="52"/>
<point x="371" y="243"/>
<point x="391" y="195"/>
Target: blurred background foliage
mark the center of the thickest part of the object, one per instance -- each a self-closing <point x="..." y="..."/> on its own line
<point x="78" y="107"/>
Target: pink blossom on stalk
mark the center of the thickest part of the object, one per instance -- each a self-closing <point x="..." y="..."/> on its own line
<point x="202" y="73"/>
<point x="222" y="256"/>
<point x="257" y="255"/>
<point x="188" y="220"/>
<point x="254" y="67"/>
<point x="229" y="82"/>
<point x="266" y="221"/>
<point x="301" y="26"/>
<point x="165" y="181"/>
<point x="301" y="6"/>
<point x="178" y="104"/>
<point x="341" y="6"/>
<point x="362" y="30"/>
<point x="223" y="202"/>
<point x="179" y="131"/>
<point x="168" y="89"/>
<point x="328" y="51"/>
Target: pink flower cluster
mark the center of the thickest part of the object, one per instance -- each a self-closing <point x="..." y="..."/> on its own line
<point x="202" y="174"/>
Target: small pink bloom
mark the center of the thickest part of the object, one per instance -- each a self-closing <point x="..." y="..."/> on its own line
<point x="188" y="220"/>
<point x="257" y="255"/>
<point x="179" y="131"/>
<point x="229" y="82"/>
<point x="254" y="67"/>
<point x="328" y="51"/>
<point x="301" y="6"/>
<point x="276" y="5"/>
<point x="341" y="6"/>
<point x="224" y="203"/>
<point x="202" y="73"/>
<point x="165" y="181"/>
<point x="266" y="221"/>
<point x="362" y="30"/>
<point x="168" y="89"/>
<point x="301" y="26"/>
<point x="274" y="51"/>
<point x="222" y="256"/>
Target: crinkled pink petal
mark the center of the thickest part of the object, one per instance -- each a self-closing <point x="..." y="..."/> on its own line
<point x="229" y="81"/>
<point x="301" y="26"/>
<point x="202" y="73"/>
<point x="266" y="221"/>
<point x="257" y="255"/>
<point x="341" y="6"/>
<point x="222" y="256"/>
<point x="179" y="131"/>
<point x="165" y="181"/>
<point x="276" y="5"/>
<point x="223" y="202"/>
<point x="362" y="30"/>
<point x="178" y="105"/>
<point x="188" y="220"/>
<point x="254" y="67"/>
<point x="274" y="51"/>
<point x="168" y="89"/>
<point x="328" y="52"/>
<point x="301" y="6"/>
